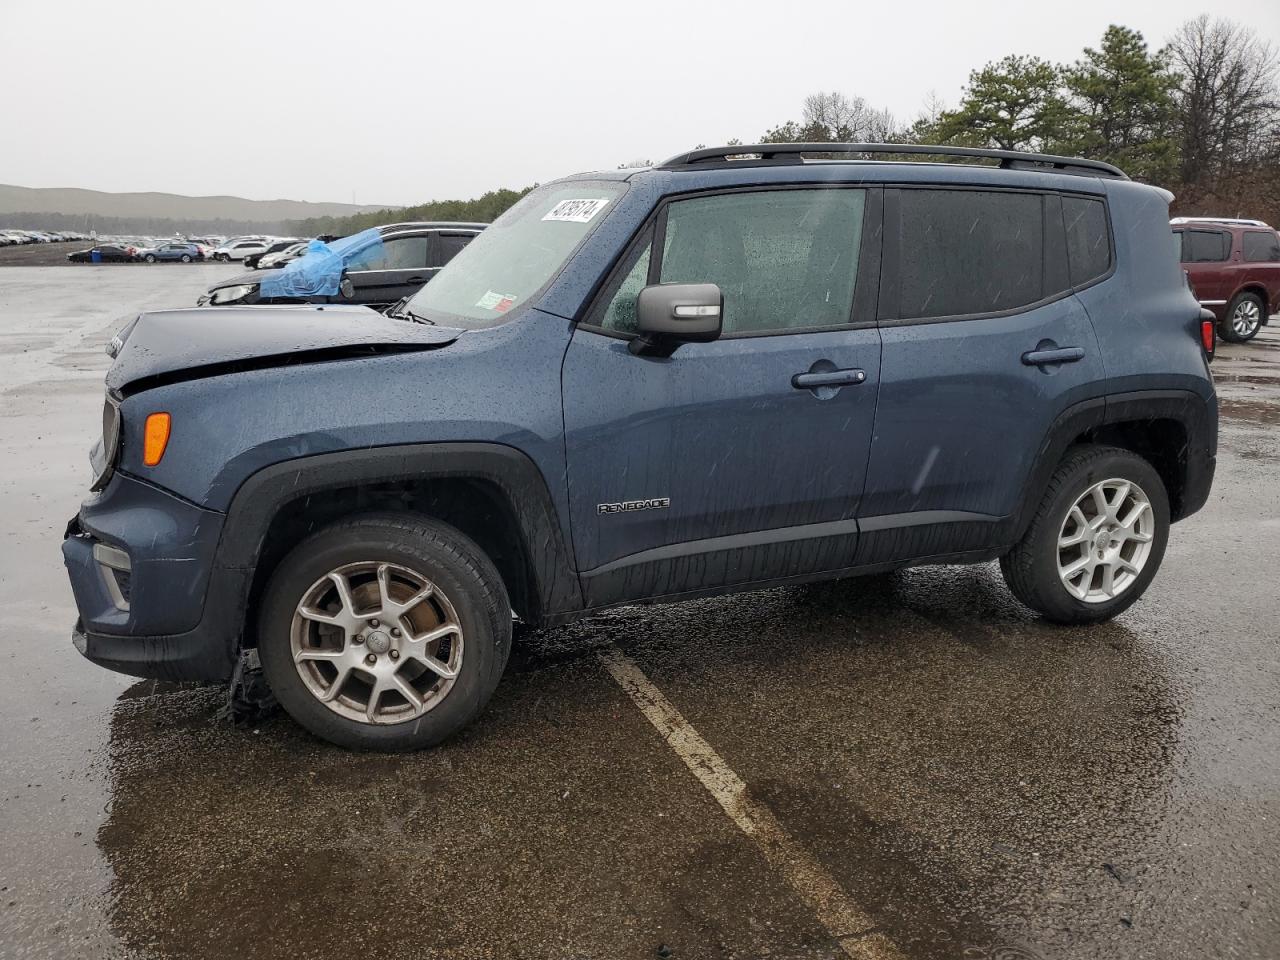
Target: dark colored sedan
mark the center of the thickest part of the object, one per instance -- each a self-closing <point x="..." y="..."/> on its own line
<point x="392" y="263"/>
<point x="252" y="260"/>
<point x="106" y="253"/>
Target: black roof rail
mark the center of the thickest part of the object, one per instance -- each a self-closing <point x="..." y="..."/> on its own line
<point x="773" y="153"/>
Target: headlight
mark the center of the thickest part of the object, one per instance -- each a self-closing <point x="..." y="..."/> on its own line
<point x="232" y="294"/>
<point x="103" y="455"/>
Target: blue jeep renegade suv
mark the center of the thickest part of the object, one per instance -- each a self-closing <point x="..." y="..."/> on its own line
<point x="743" y="367"/>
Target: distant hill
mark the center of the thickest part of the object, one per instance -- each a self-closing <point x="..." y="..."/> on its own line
<point x="166" y="206"/>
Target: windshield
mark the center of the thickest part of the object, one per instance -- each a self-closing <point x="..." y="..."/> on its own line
<point x="516" y="256"/>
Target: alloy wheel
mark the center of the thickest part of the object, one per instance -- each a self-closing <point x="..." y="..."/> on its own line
<point x="1105" y="540"/>
<point x="1246" y="317"/>
<point x="376" y="642"/>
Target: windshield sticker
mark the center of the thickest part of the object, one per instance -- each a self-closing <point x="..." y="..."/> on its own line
<point x="496" y="301"/>
<point x="576" y="211"/>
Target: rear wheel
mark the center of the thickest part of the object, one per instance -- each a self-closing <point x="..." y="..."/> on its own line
<point x="1244" y="318"/>
<point x="1097" y="540"/>
<point x="385" y="632"/>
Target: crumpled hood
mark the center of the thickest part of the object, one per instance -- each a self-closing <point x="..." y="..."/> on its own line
<point x="173" y="345"/>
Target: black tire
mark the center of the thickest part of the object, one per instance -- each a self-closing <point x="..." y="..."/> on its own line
<point x="446" y="557"/>
<point x="186" y="258"/>
<point x="1031" y="567"/>
<point x="150" y="258"/>
<point x="1227" y="330"/>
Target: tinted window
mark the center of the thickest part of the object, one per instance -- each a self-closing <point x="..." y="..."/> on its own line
<point x="782" y="259"/>
<point x="1205" y="246"/>
<point x="398" y="253"/>
<point x="1088" y="242"/>
<point x="451" y="244"/>
<point x="1259" y="246"/>
<point x="970" y="251"/>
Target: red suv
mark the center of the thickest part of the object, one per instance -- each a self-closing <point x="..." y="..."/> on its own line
<point x="1234" y="266"/>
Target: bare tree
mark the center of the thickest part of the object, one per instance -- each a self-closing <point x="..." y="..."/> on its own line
<point x="1227" y="97"/>
<point x="846" y="118"/>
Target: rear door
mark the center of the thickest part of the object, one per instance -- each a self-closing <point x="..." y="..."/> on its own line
<point x="449" y="243"/>
<point x="1206" y="255"/>
<point x="396" y="268"/>
<point x="715" y="466"/>
<point x="984" y="344"/>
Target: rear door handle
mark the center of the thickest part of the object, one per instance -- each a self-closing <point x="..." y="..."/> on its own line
<point x="828" y="378"/>
<point x="1039" y="358"/>
<point x="416" y="280"/>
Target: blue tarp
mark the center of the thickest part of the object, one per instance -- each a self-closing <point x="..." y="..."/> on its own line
<point x="318" y="272"/>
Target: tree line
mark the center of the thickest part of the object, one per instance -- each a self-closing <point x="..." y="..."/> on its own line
<point x="1200" y="116"/>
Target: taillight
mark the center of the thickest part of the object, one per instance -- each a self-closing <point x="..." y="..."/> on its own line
<point x="1208" y="337"/>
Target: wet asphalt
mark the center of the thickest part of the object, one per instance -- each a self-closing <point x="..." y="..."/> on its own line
<point x="980" y="783"/>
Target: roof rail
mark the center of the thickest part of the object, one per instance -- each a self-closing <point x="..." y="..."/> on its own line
<point x="1238" y="221"/>
<point x="775" y="153"/>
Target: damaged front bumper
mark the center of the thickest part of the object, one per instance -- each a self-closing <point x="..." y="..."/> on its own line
<point x="140" y="562"/>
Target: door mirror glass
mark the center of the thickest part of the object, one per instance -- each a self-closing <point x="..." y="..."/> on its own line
<point x="347" y="288"/>
<point x="669" y="314"/>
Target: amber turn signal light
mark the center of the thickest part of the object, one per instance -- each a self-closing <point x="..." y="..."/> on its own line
<point x="155" y="437"/>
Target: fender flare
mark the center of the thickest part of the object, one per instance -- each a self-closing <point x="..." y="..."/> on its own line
<point x="263" y="494"/>
<point x="1197" y="415"/>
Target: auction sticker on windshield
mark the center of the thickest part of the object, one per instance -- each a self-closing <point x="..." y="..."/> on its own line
<point x="577" y="211"/>
<point x="496" y="301"/>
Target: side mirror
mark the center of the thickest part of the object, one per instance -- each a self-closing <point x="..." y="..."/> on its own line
<point x="347" y="288"/>
<point x="670" y="314"/>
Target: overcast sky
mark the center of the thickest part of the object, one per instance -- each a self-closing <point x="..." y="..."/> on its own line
<point x="402" y="102"/>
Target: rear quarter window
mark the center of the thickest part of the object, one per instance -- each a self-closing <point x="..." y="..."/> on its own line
<point x="1088" y="239"/>
<point x="1261" y="246"/>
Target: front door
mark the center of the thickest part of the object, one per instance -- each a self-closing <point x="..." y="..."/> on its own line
<point x="717" y="466"/>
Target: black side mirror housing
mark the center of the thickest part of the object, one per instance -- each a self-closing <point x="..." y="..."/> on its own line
<point x="670" y="314"/>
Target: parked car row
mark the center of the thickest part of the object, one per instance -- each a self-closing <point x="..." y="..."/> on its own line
<point x="1233" y="267"/>
<point x="13" y="238"/>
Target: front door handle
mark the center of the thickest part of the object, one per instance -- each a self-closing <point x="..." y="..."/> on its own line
<point x="416" y="280"/>
<point x="1040" y="358"/>
<point x="828" y="378"/>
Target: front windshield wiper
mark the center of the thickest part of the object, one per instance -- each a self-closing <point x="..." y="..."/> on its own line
<point x="400" y="310"/>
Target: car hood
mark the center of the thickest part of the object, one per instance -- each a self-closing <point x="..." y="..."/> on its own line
<point x="171" y="345"/>
<point x="253" y="276"/>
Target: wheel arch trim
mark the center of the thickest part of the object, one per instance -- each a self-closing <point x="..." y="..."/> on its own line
<point x="1196" y="414"/>
<point x="263" y="494"/>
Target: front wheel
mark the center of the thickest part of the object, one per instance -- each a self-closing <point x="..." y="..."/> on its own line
<point x="1244" y="319"/>
<point x="186" y="258"/>
<point x="149" y="258"/>
<point x="1096" y="541"/>
<point x="385" y="632"/>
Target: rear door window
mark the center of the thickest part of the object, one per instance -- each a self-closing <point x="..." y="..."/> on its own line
<point x="1261" y="246"/>
<point x="450" y="245"/>
<point x="968" y="252"/>
<point x="1205" y="246"/>
<point x="1088" y="239"/>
